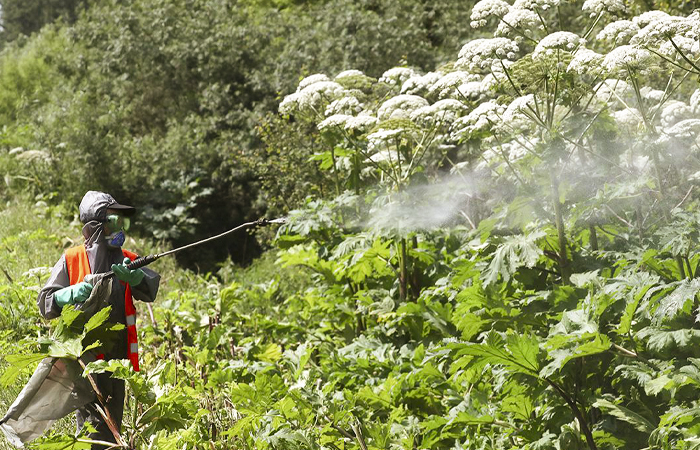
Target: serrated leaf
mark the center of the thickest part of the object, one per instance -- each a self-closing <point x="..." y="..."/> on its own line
<point x="637" y="421"/>
<point x="60" y="442"/>
<point x="515" y="252"/>
<point x="17" y="364"/>
<point x="679" y="300"/>
<point x="468" y="323"/>
<point x="641" y="293"/>
<point x="98" y="319"/>
<point x="270" y="353"/>
<point x="586" y="278"/>
<point x="568" y="348"/>
<point x="692" y="371"/>
<point x="575" y="336"/>
<point x="653" y="387"/>
<point x="71" y="348"/>
<point x="517" y="353"/>
<point x="660" y="340"/>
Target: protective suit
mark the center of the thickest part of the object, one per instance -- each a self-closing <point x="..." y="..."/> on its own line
<point x="101" y="257"/>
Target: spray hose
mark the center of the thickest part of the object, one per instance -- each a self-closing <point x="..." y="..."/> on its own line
<point x="145" y="260"/>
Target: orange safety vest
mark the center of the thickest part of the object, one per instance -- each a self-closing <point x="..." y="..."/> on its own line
<point x="78" y="267"/>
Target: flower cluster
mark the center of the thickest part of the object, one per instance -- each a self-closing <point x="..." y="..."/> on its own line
<point x="674" y="112"/>
<point x="688" y="128"/>
<point x="311" y="79"/>
<point x="653" y="96"/>
<point x="585" y="61"/>
<point x="482" y="118"/>
<point x="474" y="90"/>
<point x="695" y="102"/>
<point x="619" y="32"/>
<point x="311" y="94"/>
<point x="596" y="7"/>
<point x="659" y="31"/>
<point x="517" y="114"/>
<point x="465" y="101"/>
<point x="348" y="74"/>
<point x="689" y="47"/>
<point x="493" y="157"/>
<point x="449" y="83"/>
<point x="420" y="84"/>
<point x="648" y="17"/>
<point x="400" y="107"/>
<point x="629" y="58"/>
<point x="617" y="93"/>
<point x="628" y="120"/>
<point x="396" y="76"/>
<point x="361" y="123"/>
<point x="485" y="9"/>
<point x="480" y="54"/>
<point x="518" y="18"/>
<point x="551" y="44"/>
<point x="381" y="139"/>
<point x="444" y="111"/>
<point x="345" y="105"/>
<point x="536" y="4"/>
<point x="334" y="121"/>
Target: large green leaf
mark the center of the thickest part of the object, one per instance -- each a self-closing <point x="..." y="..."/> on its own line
<point x="517" y="353"/>
<point x="575" y="336"/>
<point x="514" y="252"/>
<point x="680" y="300"/>
<point x="98" y="319"/>
<point x="17" y="364"/>
<point x="662" y="339"/>
<point x="637" y="421"/>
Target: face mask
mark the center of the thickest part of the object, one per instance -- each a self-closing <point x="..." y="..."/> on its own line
<point x="116" y="240"/>
<point x="117" y="224"/>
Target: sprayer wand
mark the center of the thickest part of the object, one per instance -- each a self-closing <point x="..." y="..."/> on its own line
<point x="148" y="259"/>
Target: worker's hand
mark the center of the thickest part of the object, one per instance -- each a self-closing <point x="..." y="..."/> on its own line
<point x="71" y="295"/>
<point x="132" y="277"/>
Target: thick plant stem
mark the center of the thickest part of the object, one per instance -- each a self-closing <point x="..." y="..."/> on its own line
<point x="104" y="411"/>
<point x="577" y="412"/>
<point x="593" y="238"/>
<point x="558" y="217"/>
<point x="414" y="277"/>
<point x="662" y="191"/>
<point x="403" y="272"/>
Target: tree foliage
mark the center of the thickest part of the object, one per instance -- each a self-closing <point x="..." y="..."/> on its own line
<point x="159" y="100"/>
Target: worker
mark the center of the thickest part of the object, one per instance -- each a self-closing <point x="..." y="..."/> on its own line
<point x="105" y="222"/>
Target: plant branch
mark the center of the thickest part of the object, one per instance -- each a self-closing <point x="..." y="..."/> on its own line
<point x="103" y="410"/>
<point x="692" y="64"/>
<point x="577" y="412"/>
<point x="358" y="434"/>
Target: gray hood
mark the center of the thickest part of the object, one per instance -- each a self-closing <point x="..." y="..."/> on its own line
<point x="93" y="214"/>
<point x="94" y="206"/>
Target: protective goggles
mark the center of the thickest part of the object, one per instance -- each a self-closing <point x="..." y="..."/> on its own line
<point x="118" y="223"/>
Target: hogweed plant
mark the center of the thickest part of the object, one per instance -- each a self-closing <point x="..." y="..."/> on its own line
<point x="577" y="272"/>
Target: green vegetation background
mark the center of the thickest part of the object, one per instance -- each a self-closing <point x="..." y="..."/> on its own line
<point x="348" y="339"/>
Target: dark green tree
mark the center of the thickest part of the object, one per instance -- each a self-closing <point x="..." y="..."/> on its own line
<point x="24" y="17"/>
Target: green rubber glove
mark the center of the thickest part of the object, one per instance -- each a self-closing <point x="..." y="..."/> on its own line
<point x="71" y="295"/>
<point x="132" y="277"/>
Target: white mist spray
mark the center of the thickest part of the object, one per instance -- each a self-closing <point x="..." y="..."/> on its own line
<point x="428" y="206"/>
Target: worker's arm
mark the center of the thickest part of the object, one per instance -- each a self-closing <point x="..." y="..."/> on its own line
<point x="57" y="280"/>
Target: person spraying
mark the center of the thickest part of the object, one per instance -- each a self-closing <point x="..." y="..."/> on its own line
<point x="105" y="222"/>
<point x="88" y="277"/>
